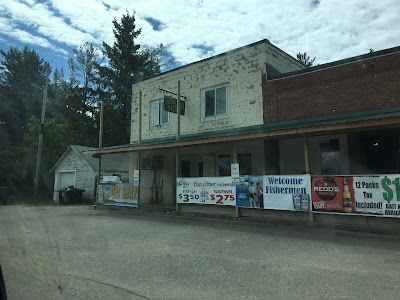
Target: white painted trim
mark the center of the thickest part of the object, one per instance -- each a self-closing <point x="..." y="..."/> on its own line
<point x="57" y="182"/>
<point x="160" y="103"/>
<point x="203" y="103"/>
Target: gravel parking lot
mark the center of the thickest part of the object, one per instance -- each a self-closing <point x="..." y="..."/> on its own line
<point x="51" y="252"/>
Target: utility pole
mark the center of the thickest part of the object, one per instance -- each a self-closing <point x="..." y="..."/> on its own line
<point x="139" y="161"/>
<point x="178" y="111"/>
<point x="41" y="130"/>
<point x="178" y="134"/>
<point x="100" y="141"/>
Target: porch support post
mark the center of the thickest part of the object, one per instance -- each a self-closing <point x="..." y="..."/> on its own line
<point x="307" y="167"/>
<point x="139" y="162"/>
<point x="177" y="167"/>
<point x="139" y="143"/>
<point x="235" y="161"/>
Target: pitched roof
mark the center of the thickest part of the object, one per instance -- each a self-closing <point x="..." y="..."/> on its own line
<point x="114" y="162"/>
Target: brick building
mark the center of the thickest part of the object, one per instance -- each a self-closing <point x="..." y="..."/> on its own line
<point x="355" y="100"/>
<point x="278" y="117"/>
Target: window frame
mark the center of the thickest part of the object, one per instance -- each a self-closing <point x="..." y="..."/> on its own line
<point x="216" y="116"/>
<point x="160" y="111"/>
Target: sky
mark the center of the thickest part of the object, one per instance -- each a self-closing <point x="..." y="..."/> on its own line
<point x="192" y="30"/>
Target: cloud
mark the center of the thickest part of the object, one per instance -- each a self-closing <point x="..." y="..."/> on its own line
<point x="155" y="24"/>
<point x="26" y="37"/>
<point x="328" y="30"/>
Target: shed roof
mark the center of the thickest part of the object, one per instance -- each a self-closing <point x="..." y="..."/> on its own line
<point x="114" y="162"/>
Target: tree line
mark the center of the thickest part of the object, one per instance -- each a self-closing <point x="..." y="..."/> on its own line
<point x="72" y="113"/>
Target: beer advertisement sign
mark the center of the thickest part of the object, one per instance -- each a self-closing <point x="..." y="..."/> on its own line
<point x="368" y="194"/>
<point x="249" y="192"/>
<point x="379" y="195"/>
<point x="373" y="194"/>
<point x="206" y="190"/>
<point x="332" y="193"/>
<point x="287" y="192"/>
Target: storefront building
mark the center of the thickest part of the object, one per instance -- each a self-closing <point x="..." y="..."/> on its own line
<point x="361" y="93"/>
<point x="282" y="123"/>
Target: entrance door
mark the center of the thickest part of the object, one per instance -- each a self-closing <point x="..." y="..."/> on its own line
<point x="65" y="179"/>
<point x="185" y="168"/>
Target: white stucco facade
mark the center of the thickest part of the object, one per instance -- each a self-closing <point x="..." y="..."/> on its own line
<point x="240" y="71"/>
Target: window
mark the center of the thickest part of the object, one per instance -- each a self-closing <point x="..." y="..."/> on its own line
<point x="330" y="157"/>
<point x="185" y="168"/>
<point x="245" y="163"/>
<point x="224" y="165"/>
<point x="158" y="115"/>
<point x="215" y="103"/>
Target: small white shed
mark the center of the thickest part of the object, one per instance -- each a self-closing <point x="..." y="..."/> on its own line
<point x="80" y="170"/>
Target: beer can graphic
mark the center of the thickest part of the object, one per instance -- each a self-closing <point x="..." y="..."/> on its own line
<point x="304" y="202"/>
<point x="296" y="201"/>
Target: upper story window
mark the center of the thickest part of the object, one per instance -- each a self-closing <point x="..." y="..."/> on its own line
<point x="159" y="116"/>
<point x="215" y="103"/>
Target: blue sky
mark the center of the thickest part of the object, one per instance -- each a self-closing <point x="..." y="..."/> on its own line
<point x="196" y="29"/>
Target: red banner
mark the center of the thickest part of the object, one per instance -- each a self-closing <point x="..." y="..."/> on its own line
<point x="335" y="194"/>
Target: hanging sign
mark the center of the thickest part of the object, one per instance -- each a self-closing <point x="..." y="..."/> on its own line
<point x="170" y="104"/>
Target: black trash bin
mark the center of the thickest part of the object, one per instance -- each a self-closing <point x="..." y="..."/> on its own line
<point x="70" y="195"/>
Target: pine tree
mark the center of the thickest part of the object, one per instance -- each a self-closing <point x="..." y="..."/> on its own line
<point x="22" y="72"/>
<point x="127" y="63"/>
<point x="305" y="59"/>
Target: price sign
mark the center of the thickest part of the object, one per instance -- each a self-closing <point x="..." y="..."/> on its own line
<point x="188" y="197"/>
<point x="373" y="194"/>
<point x="222" y="198"/>
<point x="206" y="190"/>
<point x="391" y="189"/>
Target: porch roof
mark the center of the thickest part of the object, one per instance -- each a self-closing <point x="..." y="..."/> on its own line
<point x="303" y="127"/>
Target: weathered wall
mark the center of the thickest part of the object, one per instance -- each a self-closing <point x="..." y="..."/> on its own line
<point x="281" y="61"/>
<point x="85" y="176"/>
<point x="365" y="85"/>
<point x="291" y="156"/>
<point x="241" y="70"/>
<point x="163" y="179"/>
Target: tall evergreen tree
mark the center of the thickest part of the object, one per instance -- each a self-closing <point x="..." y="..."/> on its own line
<point x="127" y="63"/>
<point x="20" y="99"/>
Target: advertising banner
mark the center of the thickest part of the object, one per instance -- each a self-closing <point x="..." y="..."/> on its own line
<point x="328" y="194"/>
<point x="368" y="195"/>
<point x="117" y="193"/>
<point x="249" y="192"/>
<point x="206" y="190"/>
<point x="373" y="194"/>
<point x="287" y="192"/>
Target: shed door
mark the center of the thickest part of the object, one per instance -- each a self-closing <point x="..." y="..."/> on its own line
<point x="66" y="179"/>
<point x="63" y="179"/>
